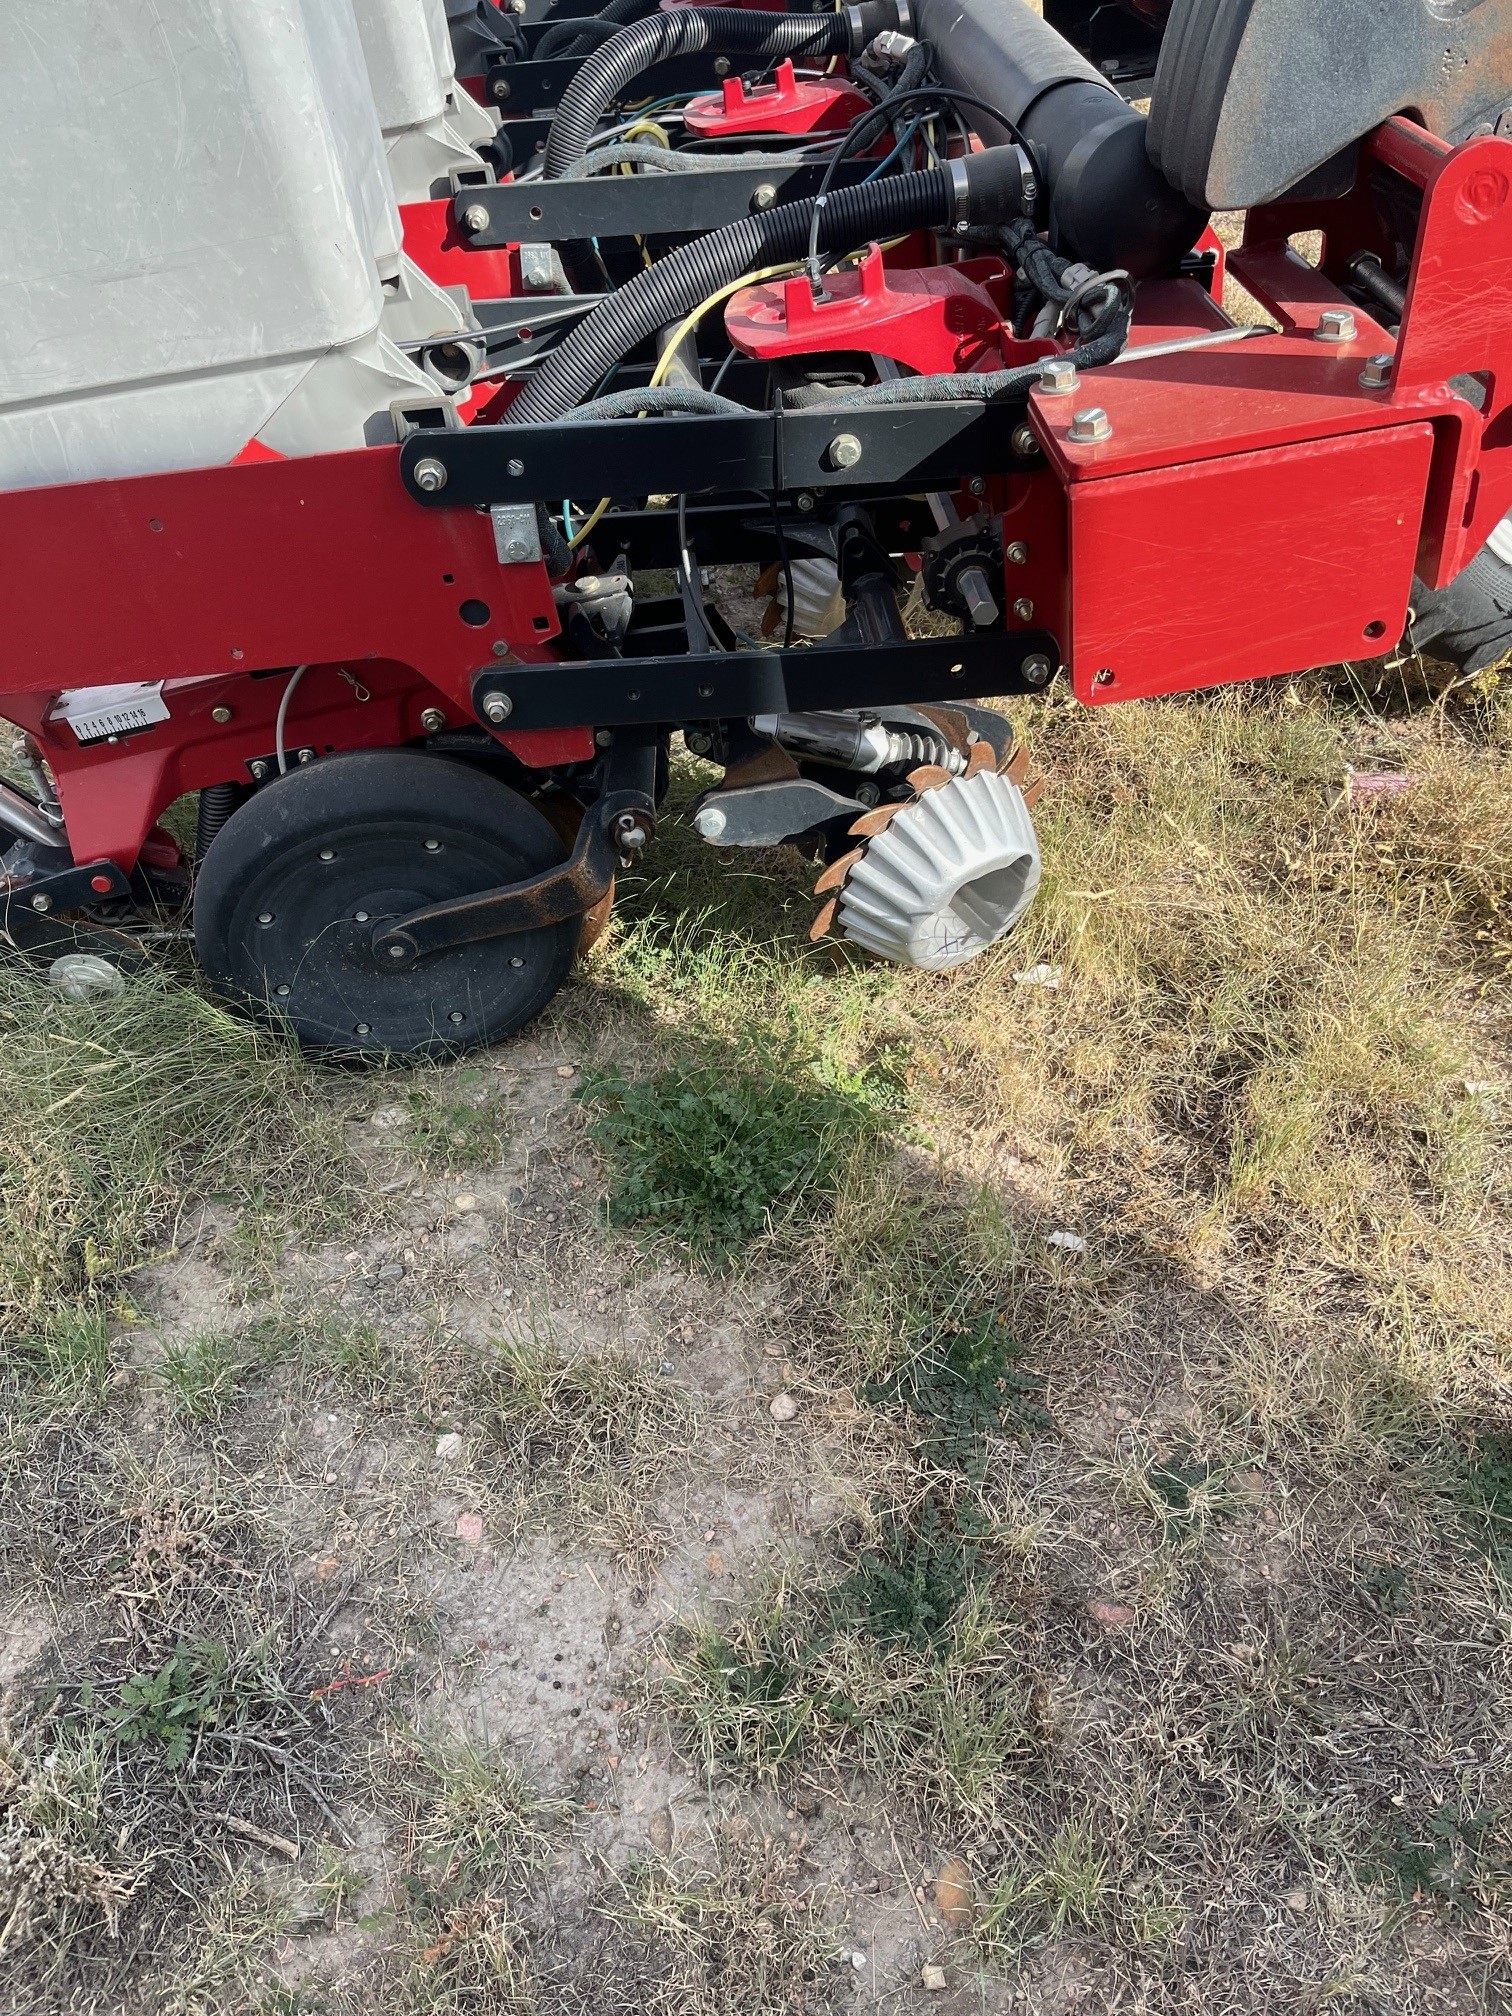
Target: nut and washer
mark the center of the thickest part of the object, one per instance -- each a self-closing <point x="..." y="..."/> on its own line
<point x="844" y="451"/>
<point x="1336" y="325"/>
<point x="41" y="904"/>
<point x="1091" y="424"/>
<point x="721" y="66"/>
<point x="764" y="195"/>
<point x="475" y="217"/>
<point x="1038" y="669"/>
<point x="1023" y="609"/>
<point x="1026" y="441"/>
<point x="430" y="475"/>
<point x="710" y="822"/>
<point x="433" y="720"/>
<point x="1378" y="371"/>
<point x="1058" y="375"/>
<point x="1017" y="555"/>
<point x="497" y="707"/>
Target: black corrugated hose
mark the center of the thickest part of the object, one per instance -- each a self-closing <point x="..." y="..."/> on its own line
<point x="683" y="32"/>
<point x="575" y="37"/>
<point x="984" y="188"/>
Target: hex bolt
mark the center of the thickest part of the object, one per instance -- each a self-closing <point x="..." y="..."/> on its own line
<point x="433" y="720"/>
<point x="844" y="451"/>
<point x="978" y="486"/>
<point x="1378" y="371"/>
<point x="1336" y="325"/>
<point x="1023" y="609"/>
<point x="265" y="917"/>
<point x="456" y="1017"/>
<point x="804" y="500"/>
<point x="710" y="822"/>
<point x="430" y="475"/>
<point x="976" y="593"/>
<point x="516" y="549"/>
<point x="764" y="195"/>
<point x="1017" y="554"/>
<point x="396" y="952"/>
<point x="475" y="217"/>
<point x="259" y="769"/>
<point x="497" y="707"/>
<point x="500" y="88"/>
<point x="1091" y="424"/>
<point x="1058" y="376"/>
<point x="1038" y="669"/>
<point x="514" y="466"/>
<point x="1025" y="441"/>
<point x="40" y="903"/>
<point x="363" y="1029"/>
<point x="220" y="716"/>
<point x="359" y="917"/>
<point x="721" y="66"/>
<point x="432" y="846"/>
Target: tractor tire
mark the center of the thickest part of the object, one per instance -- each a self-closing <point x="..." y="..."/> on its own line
<point x="1469" y="623"/>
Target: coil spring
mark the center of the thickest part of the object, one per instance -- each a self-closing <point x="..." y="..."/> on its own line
<point x="911" y="749"/>
<point x="216" y="804"/>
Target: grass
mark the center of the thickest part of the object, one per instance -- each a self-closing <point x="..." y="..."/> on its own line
<point x="717" y="1154"/>
<point x="1161" y="1584"/>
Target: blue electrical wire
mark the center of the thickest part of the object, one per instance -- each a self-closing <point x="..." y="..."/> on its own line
<point x="897" y="150"/>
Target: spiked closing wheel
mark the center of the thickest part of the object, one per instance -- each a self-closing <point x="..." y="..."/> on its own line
<point x="297" y="882"/>
<point x="940" y="878"/>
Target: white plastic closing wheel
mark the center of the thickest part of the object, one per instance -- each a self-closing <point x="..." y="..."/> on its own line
<point x="949" y="877"/>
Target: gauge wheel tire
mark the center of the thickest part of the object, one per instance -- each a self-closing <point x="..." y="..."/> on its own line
<point x="296" y="883"/>
<point x="1469" y="623"/>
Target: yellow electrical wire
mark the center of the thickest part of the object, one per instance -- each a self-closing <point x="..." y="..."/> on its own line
<point x="691" y="321"/>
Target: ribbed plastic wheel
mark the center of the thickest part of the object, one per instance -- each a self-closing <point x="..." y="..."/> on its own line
<point x="295" y="884"/>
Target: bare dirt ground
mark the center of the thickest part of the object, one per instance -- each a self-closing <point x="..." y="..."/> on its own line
<point x="796" y="1487"/>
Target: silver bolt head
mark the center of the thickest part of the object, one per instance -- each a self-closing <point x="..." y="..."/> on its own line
<point x="516" y="549"/>
<point x="475" y="217"/>
<point x="721" y="66"/>
<point x="258" y="768"/>
<point x="220" y="716"/>
<point x="1025" y="441"/>
<point x="1378" y="371"/>
<point x="41" y="903"/>
<point x="515" y="466"/>
<point x="1091" y="424"/>
<point x="844" y="451"/>
<point x="1023" y="609"/>
<point x="328" y="853"/>
<point x="1336" y="325"/>
<point x="498" y="707"/>
<point x="763" y="196"/>
<point x="432" y="720"/>
<point x="1038" y="670"/>
<point x="1018" y="554"/>
<point x="710" y="822"/>
<point x="1058" y="376"/>
<point x="396" y="951"/>
<point x="359" y="916"/>
<point x="430" y="475"/>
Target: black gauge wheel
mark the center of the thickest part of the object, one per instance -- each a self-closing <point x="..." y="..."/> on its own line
<point x="295" y="884"/>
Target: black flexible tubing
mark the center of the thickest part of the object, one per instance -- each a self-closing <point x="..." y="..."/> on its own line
<point x="664" y="293"/>
<point x="684" y="31"/>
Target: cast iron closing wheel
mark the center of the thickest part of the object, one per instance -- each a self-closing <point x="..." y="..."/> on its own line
<point x="295" y="883"/>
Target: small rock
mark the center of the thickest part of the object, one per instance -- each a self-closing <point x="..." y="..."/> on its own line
<point x="466" y="1202"/>
<point x="566" y="1070"/>
<point x="389" y="1116"/>
<point x="469" y="1528"/>
<point x="952" y="1890"/>
<point x="1111" y="1616"/>
<point x="449" y="1447"/>
<point x="392" y="1271"/>
<point x="933" y="1981"/>
<point x="661" y="1831"/>
<point x="1296" y="1900"/>
<point x="1067" y="1242"/>
<point x="858" y="1961"/>
<point x="517" y="1195"/>
<point x="784" y="1408"/>
<point x="1048" y="977"/>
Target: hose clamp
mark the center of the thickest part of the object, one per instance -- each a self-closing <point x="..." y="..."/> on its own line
<point x="960" y="184"/>
<point x="905" y="15"/>
<point x="856" y="27"/>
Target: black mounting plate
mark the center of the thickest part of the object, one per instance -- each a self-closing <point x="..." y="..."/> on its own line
<point x="622" y="206"/>
<point x="727" y="685"/>
<point x="923" y="446"/>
